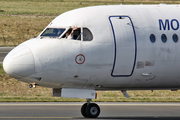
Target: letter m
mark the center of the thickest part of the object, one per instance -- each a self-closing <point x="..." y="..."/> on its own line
<point x="161" y="24"/>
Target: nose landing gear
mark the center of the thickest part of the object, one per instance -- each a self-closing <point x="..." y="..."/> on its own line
<point x="32" y="85"/>
<point x="90" y="110"/>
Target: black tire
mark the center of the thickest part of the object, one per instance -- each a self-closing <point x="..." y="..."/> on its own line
<point x="30" y="85"/>
<point x="83" y="110"/>
<point x="92" y="110"/>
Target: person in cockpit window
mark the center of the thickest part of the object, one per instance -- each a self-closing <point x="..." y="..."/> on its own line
<point x="69" y="33"/>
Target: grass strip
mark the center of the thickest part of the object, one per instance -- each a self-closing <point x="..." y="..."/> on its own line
<point x="21" y="20"/>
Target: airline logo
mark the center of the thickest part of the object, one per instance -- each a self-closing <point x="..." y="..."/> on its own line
<point x="168" y="24"/>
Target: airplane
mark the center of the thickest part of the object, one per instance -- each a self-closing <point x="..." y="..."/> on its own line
<point x="111" y="47"/>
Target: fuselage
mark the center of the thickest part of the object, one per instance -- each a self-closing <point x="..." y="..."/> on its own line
<point x="132" y="47"/>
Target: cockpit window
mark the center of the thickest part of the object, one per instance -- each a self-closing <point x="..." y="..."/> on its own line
<point x="76" y="34"/>
<point x="73" y="34"/>
<point x="87" y="35"/>
<point x="53" y="32"/>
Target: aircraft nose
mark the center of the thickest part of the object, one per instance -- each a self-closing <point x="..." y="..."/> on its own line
<point x="19" y="62"/>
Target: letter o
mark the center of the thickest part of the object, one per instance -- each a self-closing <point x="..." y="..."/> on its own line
<point x="172" y="24"/>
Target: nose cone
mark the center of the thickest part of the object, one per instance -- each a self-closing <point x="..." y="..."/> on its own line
<point x="19" y="62"/>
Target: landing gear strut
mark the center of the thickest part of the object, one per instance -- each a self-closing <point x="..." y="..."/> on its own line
<point x="90" y="110"/>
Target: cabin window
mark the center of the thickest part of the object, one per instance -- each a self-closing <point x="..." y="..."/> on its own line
<point x="53" y="32"/>
<point x="175" y="38"/>
<point x="163" y="38"/>
<point x="152" y="38"/>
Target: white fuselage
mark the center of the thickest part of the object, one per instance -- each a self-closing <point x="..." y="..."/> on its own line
<point x="120" y="56"/>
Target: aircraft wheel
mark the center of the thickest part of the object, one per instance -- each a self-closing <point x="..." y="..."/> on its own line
<point x="83" y="109"/>
<point x="92" y="110"/>
<point x="30" y="85"/>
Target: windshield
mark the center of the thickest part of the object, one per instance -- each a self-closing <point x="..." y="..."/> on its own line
<point x="53" y="32"/>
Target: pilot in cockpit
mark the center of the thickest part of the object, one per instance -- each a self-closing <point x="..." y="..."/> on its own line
<point x="70" y="32"/>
